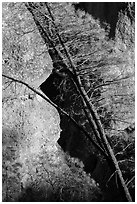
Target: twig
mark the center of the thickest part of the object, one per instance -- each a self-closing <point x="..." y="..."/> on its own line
<point x="7" y="85"/>
<point x="123" y="149"/>
<point x="110" y="178"/>
<point x="127" y="184"/>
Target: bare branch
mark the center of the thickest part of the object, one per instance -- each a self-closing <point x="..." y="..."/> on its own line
<point x="60" y="110"/>
<point x="121" y="152"/>
<point x="110" y="178"/>
<point x="127" y="184"/>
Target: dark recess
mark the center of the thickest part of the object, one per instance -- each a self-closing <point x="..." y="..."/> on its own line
<point x="104" y="11"/>
<point x="49" y="86"/>
<point x="71" y="139"/>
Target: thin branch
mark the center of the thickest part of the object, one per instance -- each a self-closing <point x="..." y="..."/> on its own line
<point x="110" y="178"/>
<point x="9" y="83"/>
<point x="107" y="83"/>
<point x="127" y="184"/>
<point x="123" y="149"/>
<point x="60" y="110"/>
<point x="120" y="120"/>
<point x="39" y="11"/>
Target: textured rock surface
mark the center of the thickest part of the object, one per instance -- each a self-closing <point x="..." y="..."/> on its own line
<point x="32" y="159"/>
<point x="34" y="167"/>
<point x="30" y="133"/>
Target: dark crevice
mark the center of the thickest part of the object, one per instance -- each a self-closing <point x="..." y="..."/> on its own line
<point x="49" y="87"/>
<point x="105" y="11"/>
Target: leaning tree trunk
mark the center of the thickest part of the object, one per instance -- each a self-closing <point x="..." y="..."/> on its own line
<point x="58" y="63"/>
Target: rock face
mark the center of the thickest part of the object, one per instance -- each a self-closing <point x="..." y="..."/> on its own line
<point x="104" y="11"/>
<point x="32" y="158"/>
<point x="30" y="133"/>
